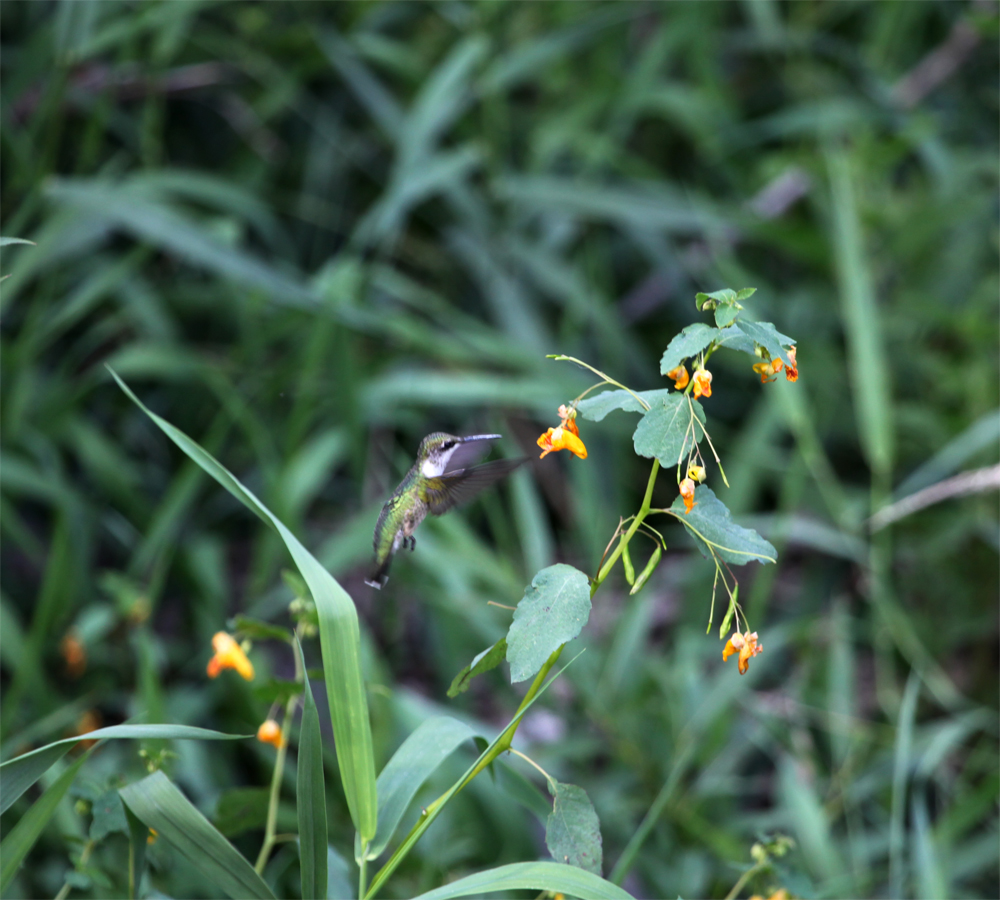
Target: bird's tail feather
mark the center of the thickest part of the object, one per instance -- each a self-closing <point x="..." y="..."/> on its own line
<point x="379" y="574"/>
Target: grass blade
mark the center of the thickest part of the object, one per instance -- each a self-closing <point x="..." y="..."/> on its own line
<point x="311" y="796"/>
<point x="20" y="773"/>
<point x="339" y="639"/>
<point x="533" y="876"/>
<point x="158" y="803"/>
<point x="21" y="838"/>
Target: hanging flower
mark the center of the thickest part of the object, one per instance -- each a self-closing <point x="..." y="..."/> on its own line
<point x="696" y="473"/>
<point x="767" y="370"/>
<point x="74" y="653"/>
<point x="744" y="644"/>
<point x="270" y="733"/>
<point x="687" y="494"/>
<point x="565" y="437"/>
<point x="792" y="371"/>
<point x="228" y="655"/>
<point x="680" y="377"/>
<point x="702" y="383"/>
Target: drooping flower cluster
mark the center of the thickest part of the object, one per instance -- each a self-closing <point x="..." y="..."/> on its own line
<point x="744" y="644"/>
<point x="769" y="370"/>
<point x="565" y="437"/>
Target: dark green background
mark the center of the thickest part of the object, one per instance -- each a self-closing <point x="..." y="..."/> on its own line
<point x="309" y="234"/>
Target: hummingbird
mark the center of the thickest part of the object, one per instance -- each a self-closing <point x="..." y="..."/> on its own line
<point x="440" y="479"/>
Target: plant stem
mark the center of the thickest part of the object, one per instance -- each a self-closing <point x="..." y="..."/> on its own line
<point x="84" y="858"/>
<point x="744" y="878"/>
<point x="272" y="804"/>
<point x="636" y="522"/>
<point x="363" y="869"/>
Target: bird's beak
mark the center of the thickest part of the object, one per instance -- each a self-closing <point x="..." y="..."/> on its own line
<point x="481" y="437"/>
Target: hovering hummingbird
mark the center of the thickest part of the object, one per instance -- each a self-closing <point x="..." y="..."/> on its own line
<point x="440" y="479"/>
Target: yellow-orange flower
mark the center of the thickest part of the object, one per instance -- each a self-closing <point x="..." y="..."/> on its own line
<point x="702" y="383"/>
<point x="228" y="655"/>
<point x="565" y="437"/>
<point x="74" y="653"/>
<point x="696" y="473"/>
<point x="152" y="836"/>
<point x="680" y="377"/>
<point x="792" y="371"/>
<point x="687" y="494"/>
<point x="767" y="370"/>
<point x="744" y="644"/>
<point x="270" y="733"/>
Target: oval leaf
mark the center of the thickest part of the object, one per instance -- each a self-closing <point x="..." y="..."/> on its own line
<point x="553" y="611"/>
<point x="712" y="527"/>
<point x="596" y="408"/>
<point x="573" y="832"/>
<point x="667" y="432"/>
<point x="532" y="876"/>
<point x="689" y="342"/>
<point x="161" y="806"/>
<point x="490" y="658"/>
<point x="772" y="340"/>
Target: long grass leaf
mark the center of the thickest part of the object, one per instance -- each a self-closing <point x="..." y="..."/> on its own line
<point x="161" y="806"/>
<point x="534" y="876"/>
<point x="339" y="639"/>
<point x="310" y="796"/>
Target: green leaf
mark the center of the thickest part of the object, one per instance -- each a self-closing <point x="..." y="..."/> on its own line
<point x="411" y="765"/>
<point x="311" y="796"/>
<point x="726" y="314"/>
<point x="339" y="639"/>
<point x="241" y="809"/>
<point x="553" y="610"/>
<point x="745" y="294"/>
<point x="772" y="340"/>
<point x="714" y="299"/>
<point x="338" y="880"/>
<point x="689" y="342"/>
<point x="667" y="431"/>
<point x="21" y="838"/>
<point x="161" y="806"/>
<point x="138" y="834"/>
<point x="711" y="526"/>
<point x="20" y="773"/>
<point x="532" y="876"/>
<point x="596" y="408"/>
<point x="109" y="816"/>
<point x="257" y="630"/>
<point x="490" y="658"/>
<point x="573" y="832"/>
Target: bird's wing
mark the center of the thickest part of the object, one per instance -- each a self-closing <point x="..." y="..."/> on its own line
<point x="447" y="491"/>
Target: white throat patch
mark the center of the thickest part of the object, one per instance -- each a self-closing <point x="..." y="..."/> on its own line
<point x="432" y="468"/>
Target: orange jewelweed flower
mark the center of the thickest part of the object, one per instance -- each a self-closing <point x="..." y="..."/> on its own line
<point x="680" y="377"/>
<point x="270" y="733"/>
<point x="744" y="644"/>
<point x="702" y="383"/>
<point x="792" y="371"/>
<point x="687" y="494"/>
<point x="74" y="653"/>
<point x="565" y="437"/>
<point x="696" y="473"/>
<point x="228" y="655"/>
<point x="768" y="369"/>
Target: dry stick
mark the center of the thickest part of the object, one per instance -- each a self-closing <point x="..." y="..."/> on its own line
<point x="974" y="482"/>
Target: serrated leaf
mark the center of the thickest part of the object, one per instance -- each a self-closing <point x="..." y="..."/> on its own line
<point x="691" y="341"/>
<point x="573" y="832"/>
<point x="596" y="408"/>
<point x="710" y="524"/>
<point x="554" y="609"/>
<point x="490" y="658"/>
<point x="745" y="293"/>
<point x="161" y="806"/>
<point x="666" y="432"/>
<point x="725" y="295"/>
<point x="726" y="314"/>
<point x="109" y="816"/>
<point x="772" y="340"/>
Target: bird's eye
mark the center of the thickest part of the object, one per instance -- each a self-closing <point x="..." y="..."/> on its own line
<point x="447" y="445"/>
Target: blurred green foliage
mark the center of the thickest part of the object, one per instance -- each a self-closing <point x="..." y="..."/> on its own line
<point x="309" y="234"/>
